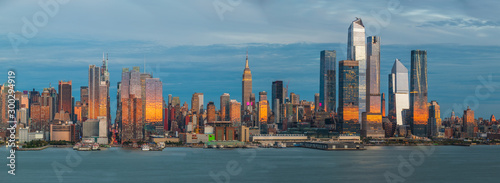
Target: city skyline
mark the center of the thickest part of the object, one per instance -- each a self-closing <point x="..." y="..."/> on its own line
<point x="272" y="60"/>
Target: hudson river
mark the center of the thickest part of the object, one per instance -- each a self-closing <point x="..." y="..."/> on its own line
<point x="401" y="164"/>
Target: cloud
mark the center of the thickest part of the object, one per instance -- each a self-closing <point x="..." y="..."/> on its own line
<point x="463" y="23"/>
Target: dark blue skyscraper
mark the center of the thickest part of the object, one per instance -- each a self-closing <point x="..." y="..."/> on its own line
<point x="327" y="81"/>
<point x="419" y="110"/>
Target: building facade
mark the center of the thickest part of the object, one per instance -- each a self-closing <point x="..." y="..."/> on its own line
<point x="419" y="110"/>
<point x="327" y="81"/>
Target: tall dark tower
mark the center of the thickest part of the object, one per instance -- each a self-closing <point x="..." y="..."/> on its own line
<point x="419" y="111"/>
<point x="246" y="86"/>
<point x="65" y="102"/>
<point x="327" y="85"/>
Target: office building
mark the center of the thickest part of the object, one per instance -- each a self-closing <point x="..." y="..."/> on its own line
<point x="246" y="86"/>
<point x="419" y="110"/>
<point x="356" y="51"/>
<point x="327" y="81"/>
<point x="348" y="97"/>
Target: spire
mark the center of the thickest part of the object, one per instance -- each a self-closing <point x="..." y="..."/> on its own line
<point x="246" y="64"/>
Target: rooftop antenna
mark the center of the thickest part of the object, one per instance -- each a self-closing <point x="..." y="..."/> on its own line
<point x="144" y="64"/>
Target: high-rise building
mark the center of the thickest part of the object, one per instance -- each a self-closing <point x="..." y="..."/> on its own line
<point x="197" y="103"/>
<point x="434" y="119"/>
<point x="327" y="81"/>
<point x="235" y="111"/>
<point x="224" y="106"/>
<point x="211" y="112"/>
<point x="294" y="98"/>
<point x="316" y="102"/>
<point x="372" y="119"/>
<point x="47" y="103"/>
<point x="398" y="93"/>
<point x="263" y="106"/>
<point x="383" y="105"/>
<point x="144" y="76"/>
<point x="468" y="122"/>
<point x="154" y="100"/>
<point x="356" y="50"/>
<point x="277" y="93"/>
<point x="93" y="91"/>
<point x="348" y="97"/>
<point x="262" y="95"/>
<point x="246" y="86"/>
<point x="419" y="111"/>
<point x="65" y="103"/>
<point x="84" y="100"/>
<point x="103" y="99"/>
<point x="131" y="106"/>
<point x="78" y="110"/>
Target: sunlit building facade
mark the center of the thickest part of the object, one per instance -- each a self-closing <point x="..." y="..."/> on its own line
<point x="399" y="98"/>
<point x="372" y="118"/>
<point x="235" y="111"/>
<point x="211" y="112"/>
<point x="263" y="106"/>
<point x="154" y="100"/>
<point x="356" y="50"/>
<point x="64" y="99"/>
<point x="348" y="97"/>
<point x="468" y="122"/>
<point x="131" y="106"/>
<point x="246" y="86"/>
<point x="434" y="119"/>
<point x="197" y="103"/>
<point x="419" y="110"/>
<point x="327" y="81"/>
<point x="93" y="91"/>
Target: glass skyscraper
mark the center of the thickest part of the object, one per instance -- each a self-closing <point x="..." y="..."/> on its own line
<point x="398" y="93"/>
<point x="277" y="93"/>
<point x="327" y="81"/>
<point x="348" y="97"/>
<point x="356" y="50"/>
<point x="419" y="110"/>
<point x="93" y="91"/>
<point x="372" y="119"/>
<point x="154" y="100"/>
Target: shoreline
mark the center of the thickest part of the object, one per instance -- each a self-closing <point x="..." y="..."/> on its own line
<point x="191" y="146"/>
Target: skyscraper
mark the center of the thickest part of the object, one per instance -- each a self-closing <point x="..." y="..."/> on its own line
<point x="235" y="111"/>
<point x="93" y="91"/>
<point x="468" y="122"/>
<point x="398" y="93"/>
<point x="246" y="86"/>
<point x="144" y="76"/>
<point x="65" y="103"/>
<point x="131" y="106"/>
<point x="197" y="103"/>
<point x="348" y="97"/>
<point x="419" y="111"/>
<point x="224" y="106"/>
<point x="211" y="112"/>
<point x="277" y="93"/>
<point x="356" y="50"/>
<point x="316" y="102"/>
<point x="154" y="100"/>
<point x="327" y="81"/>
<point x="84" y="99"/>
<point x="372" y="119"/>
<point x="434" y="118"/>
<point x="47" y="104"/>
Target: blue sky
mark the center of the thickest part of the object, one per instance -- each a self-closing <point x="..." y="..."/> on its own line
<point x="194" y="46"/>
